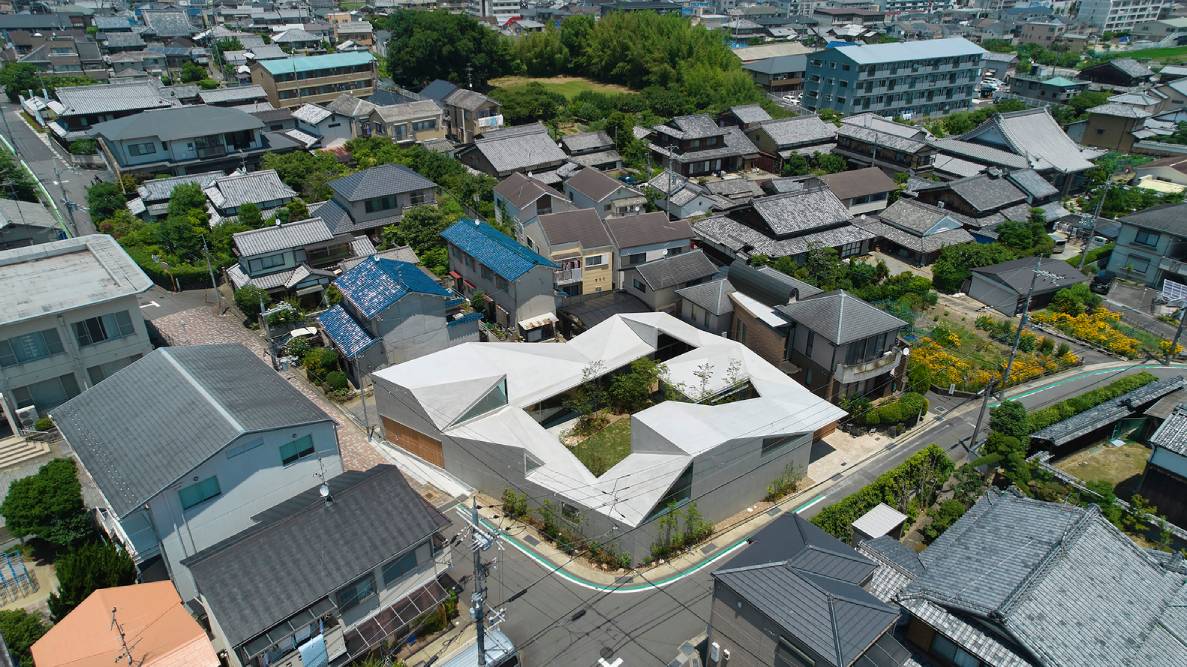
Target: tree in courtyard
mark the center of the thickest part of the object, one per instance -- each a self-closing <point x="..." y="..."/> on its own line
<point x="248" y="299"/>
<point x="86" y="569"/>
<point x="21" y="629"/>
<point x="631" y="391"/>
<point x="249" y="216"/>
<point x="104" y="199"/>
<point x="48" y="505"/>
<point x="191" y="72"/>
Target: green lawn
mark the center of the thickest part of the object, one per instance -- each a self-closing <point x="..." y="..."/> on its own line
<point x="1169" y="55"/>
<point x="1120" y="466"/>
<point x="600" y="451"/>
<point x="569" y="86"/>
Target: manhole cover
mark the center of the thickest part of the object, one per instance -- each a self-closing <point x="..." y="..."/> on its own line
<point x="940" y="411"/>
<point x="530" y="540"/>
<point x="606" y="652"/>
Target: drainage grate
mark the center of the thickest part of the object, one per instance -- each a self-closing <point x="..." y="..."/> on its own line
<point x="774" y="511"/>
<point x="708" y="549"/>
<point x="836" y="477"/>
<point x="531" y="540"/>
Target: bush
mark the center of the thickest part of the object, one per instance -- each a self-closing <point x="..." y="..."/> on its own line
<point x="298" y="347"/>
<point x="48" y="505"/>
<point x="86" y="569"/>
<point x="248" y="299"/>
<point x="906" y="408"/>
<point x="43" y="424"/>
<point x="336" y="380"/>
<point x="21" y="630"/>
<point x="1075" y="300"/>
<point x="918" y="478"/>
<point x="944" y="515"/>
<point x="515" y="505"/>
<point x="319" y="362"/>
<point x="84" y="147"/>
<point x="919" y="379"/>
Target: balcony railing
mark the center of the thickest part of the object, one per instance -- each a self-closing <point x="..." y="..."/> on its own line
<point x="490" y="122"/>
<point x="211" y="150"/>
<point x="567" y="276"/>
<point x="846" y="373"/>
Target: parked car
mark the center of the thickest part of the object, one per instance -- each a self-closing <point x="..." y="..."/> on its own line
<point x="1102" y="281"/>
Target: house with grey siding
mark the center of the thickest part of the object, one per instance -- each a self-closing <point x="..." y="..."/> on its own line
<point x="1152" y="246"/>
<point x="70" y="318"/>
<point x="515" y="282"/>
<point x="643" y="238"/>
<point x="393" y="311"/>
<point x="908" y="79"/>
<point x="590" y="188"/>
<point x="795" y="596"/>
<point x="707" y="306"/>
<point x="387" y="571"/>
<point x="843" y="346"/>
<point x="367" y="201"/>
<point x="189" y="444"/>
<point x="655" y="282"/>
<point x="1069" y="567"/>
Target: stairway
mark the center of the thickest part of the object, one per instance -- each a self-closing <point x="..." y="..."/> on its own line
<point x="14" y="450"/>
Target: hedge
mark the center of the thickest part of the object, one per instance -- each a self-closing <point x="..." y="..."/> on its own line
<point x="1041" y="419"/>
<point x="924" y="472"/>
<point x="906" y="408"/>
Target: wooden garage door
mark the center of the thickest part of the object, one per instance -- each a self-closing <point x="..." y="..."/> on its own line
<point x="414" y="441"/>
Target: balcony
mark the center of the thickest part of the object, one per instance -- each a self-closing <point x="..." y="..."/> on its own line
<point x="567" y="276"/>
<point x="1175" y="266"/>
<point x="210" y="151"/>
<point x="489" y="122"/>
<point x="846" y="373"/>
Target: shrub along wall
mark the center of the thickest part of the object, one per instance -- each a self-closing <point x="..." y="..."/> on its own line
<point x="1041" y="419"/>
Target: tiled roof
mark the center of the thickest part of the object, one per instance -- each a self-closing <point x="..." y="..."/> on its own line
<point x="311" y="114"/>
<point x="594" y="184"/>
<point x="1034" y="185"/>
<point x="801" y="131"/>
<point x="1016" y="274"/>
<point x="494" y="249"/>
<point x="925" y="244"/>
<point x="581" y="226"/>
<point x="738" y="237"/>
<point x="467" y="99"/>
<point x="841" y="317"/>
<point x="373" y="286"/>
<point x="121" y="39"/>
<point x="800" y="212"/>
<point x="159" y="189"/>
<point x="521" y="190"/>
<point x="528" y="148"/>
<point x="870" y="136"/>
<point x="750" y="113"/>
<point x="137" y="96"/>
<point x="281" y="237"/>
<point x="253" y="187"/>
<point x="350" y="338"/>
<point x="676" y="270"/>
<point x="380" y="181"/>
<point x="168" y="23"/>
<point x="987" y="193"/>
<point x="350" y="106"/>
<point x="1172" y="434"/>
<point x="586" y="142"/>
<point x="713" y="296"/>
<point x="646" y="229"/>
<point x="859" y="183"/>
<point x="1033" y="133"/>
<point x="696" y="126"/>
<point x="1119" y="110"/>
<point x="394" y="113"/>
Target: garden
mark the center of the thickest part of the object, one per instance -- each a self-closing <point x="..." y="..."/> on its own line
<point x="1077" y="313"/>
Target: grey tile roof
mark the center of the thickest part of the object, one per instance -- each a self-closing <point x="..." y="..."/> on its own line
<point x="859" y="183"/>
<point x="923" y="244"/>
<point x="1172" y="434"/>
<point x="809" y="583"/>
<point x="647" y="228"/>
<point x="394" y="113"/>
<point x="594" y="184"/>
<point x="523" y="148"/>
<point x="878" y="138"/>
<point x="152" y="422"/>
<point x="121" y="39"/>
<point x="737" y="237"/>
<point x="1035" y="186"/>
<point x="469" y="100"/>
<point x="981" y="154"/>
<point x="596" y="159"/>
<point x="521" y="190"/>
<point x="801" y="131"/>
<point x="587" y="142"/>
<point x="295" y="36"/>
<point x="1061" y="580"/>
<point x="713" y="296"/>
<point x="1016" y="274"/>
<point x="885" y="125"/>
<point x="13" y="212"/>
<point x="1119" y="110"/>
<point x="918" y="218"/>
<point x="178" y="123"/>
<point x="168" y="23"/>
<point x="696" y="126"/>
<point x="311" y="114"/>
<point x="305" y="549"/>
<point x="255" y="187"/>
<point x="159" y="189"/>
<point x="281" y="237"/>
<point x="736" y="188"/>
<point x="1132" y="68"/>
<point x="1033" y="133"/>
<point x="233" y="94"/>
<point x="841" y="317"/>
<point x="1166" y="218"/>
<point x="987" y="193"/>
<point x="387" y="179"/>
<point x="750" y="113"/>
<point x="108" y="98"/>
<point x="797" y="213"/>
<point x="676" y="270"/>
<point x="581" y="226"/>
<point x="350" y="106"/>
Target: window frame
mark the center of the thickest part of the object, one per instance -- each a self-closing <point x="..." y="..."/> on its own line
<point x="298" y="450"/>
<point x="209" y="496"/>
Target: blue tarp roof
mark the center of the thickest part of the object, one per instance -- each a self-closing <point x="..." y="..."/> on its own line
<point x="376" y="283"/>
<point x="499" y="252"/>
<point x="350" y="338"/>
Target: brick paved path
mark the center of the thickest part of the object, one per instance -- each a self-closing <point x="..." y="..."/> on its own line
<point x="199" y="326"/>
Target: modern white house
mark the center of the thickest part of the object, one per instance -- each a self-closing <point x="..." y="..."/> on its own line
<point x="189" y="445"/>
<point x="70" y="318"/>
<point x="493" y="413"/>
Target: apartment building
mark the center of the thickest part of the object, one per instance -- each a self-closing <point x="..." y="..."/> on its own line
<point x="500" y="10"/>
<point x="1114" y="15"/>
<point x="908" y="79"/>
<point x="74" y="321"/>
<point x="292" y="82"/>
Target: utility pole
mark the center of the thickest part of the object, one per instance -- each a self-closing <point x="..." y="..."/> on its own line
<point x="481" y="540"/>
<point x="981" y="414"/>
<point x="1025" y="316"/>
<point x="210" y="268"/>
<point x="1092" y="226"/>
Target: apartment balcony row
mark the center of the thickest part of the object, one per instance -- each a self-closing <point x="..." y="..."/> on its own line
<point x="324" y="80"/>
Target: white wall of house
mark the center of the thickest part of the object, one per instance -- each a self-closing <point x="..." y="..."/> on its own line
<point x="412" y="327"/>
<point x="251" y="479"/>
<point x="80" y="362"/>
<point x="626" y="258"/>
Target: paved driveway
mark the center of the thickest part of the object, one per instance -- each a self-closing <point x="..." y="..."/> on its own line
<point x="199" y="326"/>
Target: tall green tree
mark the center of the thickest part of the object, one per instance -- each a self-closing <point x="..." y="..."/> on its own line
<point x="104" y="199"/>
<point x="439" y="45"/>
<point x="575" y="35"/>
<point x="15" y="182"/>
<point x="18" y="79"/>
<point x="48" y="505"/>
<point x="21" y="629"/>
<point x="956" y="262"/>
<point x="250" y="216"/>
<point x="542" y="53"/>
<point x="86" y="569"/>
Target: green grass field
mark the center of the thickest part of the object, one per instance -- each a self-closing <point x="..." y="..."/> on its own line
<point x="569" y="86"/>
<point x="1168" y="55"/>
<point x="1120" y="467"/>
<point x="600" y="451"/>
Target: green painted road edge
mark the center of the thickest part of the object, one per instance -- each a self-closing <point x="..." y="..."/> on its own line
<point x="1083" y="374"/>
<point x="634" y="588"/>
<point x="46" y="198"/>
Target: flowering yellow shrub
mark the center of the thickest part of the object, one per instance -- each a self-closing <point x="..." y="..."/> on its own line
<point x="1096" y="328"/>
<point x="947" y="368"/>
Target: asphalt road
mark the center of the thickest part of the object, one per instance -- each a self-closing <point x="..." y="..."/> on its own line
<point x="61" y="180"/>
<point x="573" y="625"/>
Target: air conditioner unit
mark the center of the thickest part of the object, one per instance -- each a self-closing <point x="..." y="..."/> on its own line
<point x="27" y="417"/>
<point x="715" y="651"/>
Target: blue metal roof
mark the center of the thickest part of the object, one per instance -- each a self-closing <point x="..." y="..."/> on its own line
<point x="499" y="252"/>
<point x="350" y="338"/>
<point x="313" y="63"/>
<point x="376" y="283"/>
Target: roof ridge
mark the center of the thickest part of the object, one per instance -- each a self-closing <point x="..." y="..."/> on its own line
<point x="167" y="353"/>
<point x="1058" y="550"/>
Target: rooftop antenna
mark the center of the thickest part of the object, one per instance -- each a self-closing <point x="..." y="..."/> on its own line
<point x="126" y="652"/>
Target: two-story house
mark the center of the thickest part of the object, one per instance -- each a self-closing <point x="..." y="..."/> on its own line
<point x="468" y="113"/>
<point x="694" y="146"/>
<point x="293" y="258"/>
<point x="657" y="282"/>
<point x="291" y="82"/>
<point x="183" y="140"/>
<point x="577" y="241"/>
<point x="24" y="223"/>
<point x="681" y="197"/>
<point x="366" y="201"/>
<point x="797" y="135"/>
<point x="526" y="148"/>
<point x="590" y="188"/>
<point x="188" y="445"/>
<point x="644" y="238"/>
<point x="264" y="189"/>
<point x="520" y="198"/>
<point x="843" y="346"/>
<point x="83" y="107"/>
<point x="515" y="282"/>
<point x="1151" y="246"/>
<point x="274" y="598"/>
<point x="392" y="311"/>
<point x="870" y="140"/>
<point x="320" y="122"/>
<point x="71" y="319"/>
<point x="411" y="122"/>
<point x="592" y="149"/>
<point x="862" y="191"/>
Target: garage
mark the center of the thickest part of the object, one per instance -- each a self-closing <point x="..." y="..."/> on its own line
<point x="414" y="442"/>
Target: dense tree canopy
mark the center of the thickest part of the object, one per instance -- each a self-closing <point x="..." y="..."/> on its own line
<point x="440" y="45"/>
<point x="47" y="505"/>
<point x="86" y="569"/>
<point x="956" y="262"/>
<point x="21" y="629"/>
<point x="530" y="103"/>
<point x="15" y="182"/>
